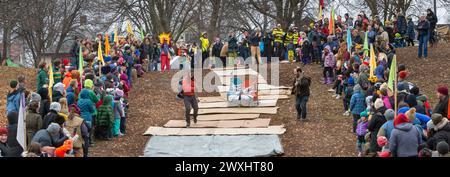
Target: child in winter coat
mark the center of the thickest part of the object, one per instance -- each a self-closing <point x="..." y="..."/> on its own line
<point x="329" y="65"/>
<point x="105" y="119"/>
<point x="307" y="52"/>
<point x="118" y="112"/>
<point x="124" y="84"/>
<point x="361" y="131"/>
<point x="357" y="105"/>
<point x="291" y="51"/>
<point x="348" y="92"/>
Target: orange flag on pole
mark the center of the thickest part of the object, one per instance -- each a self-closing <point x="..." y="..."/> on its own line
<point x="107" y="46"/>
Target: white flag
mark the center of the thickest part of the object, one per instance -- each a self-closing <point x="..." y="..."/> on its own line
<point x="21" y="127"/>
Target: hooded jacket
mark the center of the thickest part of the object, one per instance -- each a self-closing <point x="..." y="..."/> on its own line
<point x="329" y="59"/>
<point x="86" y="106"/>
<point x="442" y="133"/>
<point x="357" y="102"/>
<point x="405" y="140"/>
<point x="13" y="101"/>
<point x="105" y="115"/>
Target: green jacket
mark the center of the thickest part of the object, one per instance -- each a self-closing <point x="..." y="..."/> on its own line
<point x="42" y="75"/>
<point x="105" y="116"/>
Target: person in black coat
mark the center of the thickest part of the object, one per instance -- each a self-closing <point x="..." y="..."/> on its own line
<point x="307" y="52"/>
<point x="411" y="100"/>
<point x="217" y="48"/>
<point x="375" y="124"/>
<point x="432" y="18"/>
<point x="268" y="48"/>
<point x="439" y="132"/>
<point x="15" y="148"/>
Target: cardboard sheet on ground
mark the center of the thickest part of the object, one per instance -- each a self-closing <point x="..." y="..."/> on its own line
<point x="161" y="131"/>
<point x="262" y="103"/>
<point x="256" y="123"/>
<point x="216" y="117"/>
<point x="214" y="146"/>
<point x="258" y="110"/>
<point x="223" y="99"/>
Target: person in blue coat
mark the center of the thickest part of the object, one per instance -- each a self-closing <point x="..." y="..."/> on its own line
<point x="357" y="105"/>
<point x="422" y="118"/>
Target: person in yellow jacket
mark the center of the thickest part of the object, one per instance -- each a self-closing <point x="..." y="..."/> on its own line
<point x="278" y="34"/>
<point x="205" y="46"/>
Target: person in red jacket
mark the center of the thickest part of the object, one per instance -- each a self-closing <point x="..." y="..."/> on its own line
<point x="190" y="98"/>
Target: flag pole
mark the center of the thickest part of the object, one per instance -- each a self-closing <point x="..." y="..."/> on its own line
<point x="395" y="92"/>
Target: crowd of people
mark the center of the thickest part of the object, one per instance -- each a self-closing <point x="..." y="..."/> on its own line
<point x="389" y="119"/>
<point x="78" y="100"/>
<point x="84" y="98"/>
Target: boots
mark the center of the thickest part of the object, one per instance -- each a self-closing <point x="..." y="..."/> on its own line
<point x="325" y="80"/>
<point x="329" y="80"/>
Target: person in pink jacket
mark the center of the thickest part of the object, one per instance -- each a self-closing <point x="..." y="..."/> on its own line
<point x="329" y="65"/>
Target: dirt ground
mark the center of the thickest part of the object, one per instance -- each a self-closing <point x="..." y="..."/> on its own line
<point x="326" y="134"/>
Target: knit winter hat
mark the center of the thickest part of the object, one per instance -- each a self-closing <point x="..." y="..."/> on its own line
<point x="384" y="154"/>
<point x="401" y="118"/>
<point x="364" y="114"/>
<point x="119" y="93"/>
<point x="436" y="118"/>
<point x="443" y="90"/>
<point x="53" y="128"/>
<point x="3" y="131"/>
<point x="59" y="87"/>
<point x="442" y="148"/>
<point x="66" y="62"/>
<point x="378" y="104"/>
<point x="88" y="83"/>
<point x="382" y="141"/>
<point x="402" y="75"/>
<point x="13" y="84"/>
<point x="411" y="100"/>
<point x="389" y="114"/>
<point x="351" y="81"/>
<point x="411" y="114"/>
<point x="55" y="106"/>
<point x="35" y="97"/>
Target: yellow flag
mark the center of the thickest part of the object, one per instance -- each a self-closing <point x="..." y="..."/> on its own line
<point x="51" y="81"/>
<point x="129" y="28"/>
<point x="373" y="62"/>
<point x="107" y="46"/>
<point x="100" y="53"/>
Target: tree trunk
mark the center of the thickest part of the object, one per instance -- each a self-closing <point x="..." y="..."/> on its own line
<point x="6" y="44"/>
<point x="213" y="30"/>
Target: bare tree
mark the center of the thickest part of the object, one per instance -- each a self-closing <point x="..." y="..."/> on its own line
<point x="285" y="12"/>
<point x="46" y="24"/>
<point x="9" y="11"/>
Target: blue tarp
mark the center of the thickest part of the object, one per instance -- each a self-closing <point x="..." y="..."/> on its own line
<point x="214" y="146"/>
